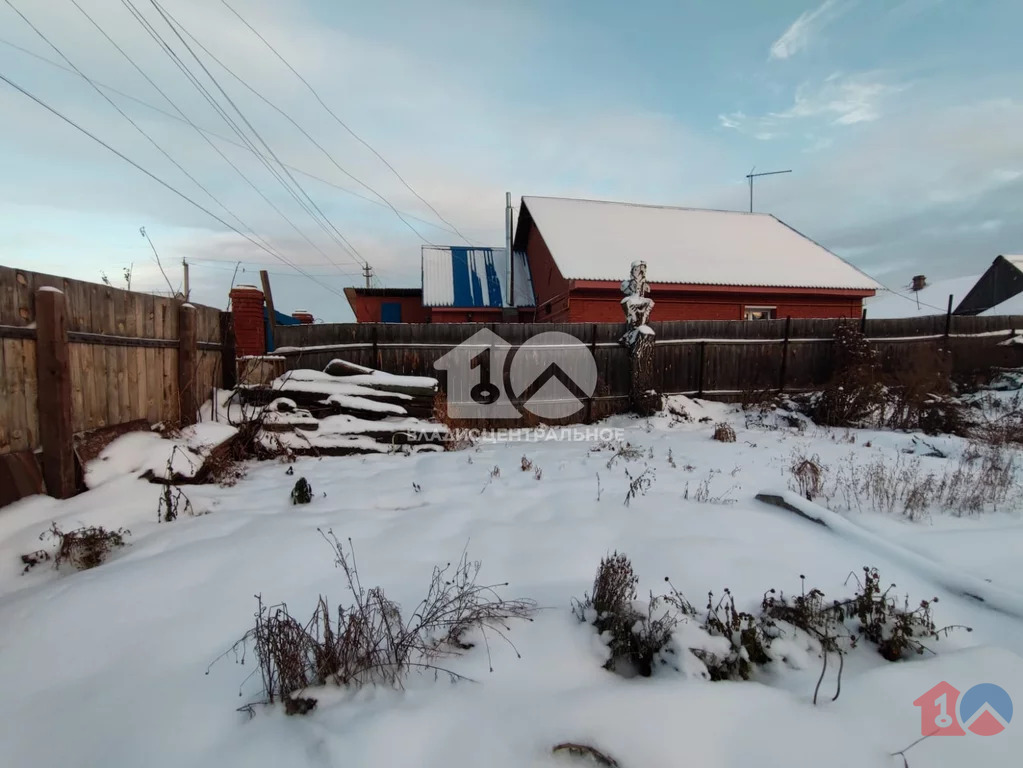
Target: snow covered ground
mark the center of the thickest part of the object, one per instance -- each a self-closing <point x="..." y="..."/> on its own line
<point x="108" y="666"/>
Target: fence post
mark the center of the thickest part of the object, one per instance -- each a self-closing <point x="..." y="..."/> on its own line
<point x="863" y="322"/>
<point x="376" y="350"/>
<point x="703" y="358"/>
<point x="785" y="354"/>
<point x="187" y="360"/>
<point x="228" y="352"/>
<point x="54" y="393"/>
<point x="948" y="317"/>
<point x="593" y="354"/>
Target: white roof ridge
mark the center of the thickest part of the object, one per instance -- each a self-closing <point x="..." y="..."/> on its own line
<point x="647" y="205"/>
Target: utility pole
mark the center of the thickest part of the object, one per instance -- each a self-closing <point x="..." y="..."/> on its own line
<point x="184" y="266"/>
<point x="367" y="272"/>
<point x="752" y="176"/>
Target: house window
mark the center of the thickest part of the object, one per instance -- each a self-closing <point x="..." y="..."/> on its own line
<point x="390" y="312"/>
<point x="760" y="313"/>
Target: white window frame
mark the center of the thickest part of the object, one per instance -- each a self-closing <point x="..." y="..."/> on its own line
<point x="746" y="310"/>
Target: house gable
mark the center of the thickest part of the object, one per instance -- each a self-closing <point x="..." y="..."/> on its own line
<point x="1002" y="281"/>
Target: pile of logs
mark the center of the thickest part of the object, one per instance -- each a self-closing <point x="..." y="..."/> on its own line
<point x="345" y="409"/>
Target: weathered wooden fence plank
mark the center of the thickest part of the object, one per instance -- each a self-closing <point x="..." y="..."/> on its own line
<point x="122" y="357"/>
<point x="56" y="435"/>
<point x="187" y="363"/>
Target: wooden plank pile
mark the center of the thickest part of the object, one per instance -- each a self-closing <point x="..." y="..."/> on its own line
<point x="344" y="409"/>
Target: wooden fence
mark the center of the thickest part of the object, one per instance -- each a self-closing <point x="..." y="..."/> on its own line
<point x="708" y="358"/>
<point x="127" y="357"/>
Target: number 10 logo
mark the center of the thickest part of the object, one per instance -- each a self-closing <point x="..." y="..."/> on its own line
<point x="984" y="710"/>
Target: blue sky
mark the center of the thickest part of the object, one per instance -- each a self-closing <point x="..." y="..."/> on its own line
<point x="902" y="122"/>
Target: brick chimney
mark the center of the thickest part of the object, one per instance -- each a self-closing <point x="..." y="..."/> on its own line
<point x="302" y="316"/>
<point x="919" y="282"/>
<point x="249" y="331"/>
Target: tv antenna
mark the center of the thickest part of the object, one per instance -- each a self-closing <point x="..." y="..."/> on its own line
<point x="752" y="176"/>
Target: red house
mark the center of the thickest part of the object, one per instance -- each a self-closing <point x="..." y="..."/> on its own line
<point x="703" y="264"/>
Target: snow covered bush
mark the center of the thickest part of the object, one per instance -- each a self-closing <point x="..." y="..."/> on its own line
<point x="639" y="484"/>
<point x="730" y="643"/>
<point x="907" y="391"/>
<point x="855" y="391"/>
<point x="302" y="493"/>
<point x="369" y="641"/>
<point x="636" y="635"/>
<point x="984" y="478"/>
<point x="84" y="547"/>
<point x="748" y="641"/>
<point x="172" y="501"/>
<point x="808" y="475"/>
<point x="724" y="433"/>
<point x="896" y="631"/>
<point x="620" y="451"/>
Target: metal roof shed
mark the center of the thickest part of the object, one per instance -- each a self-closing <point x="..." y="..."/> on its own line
<point x="455" y="276"/>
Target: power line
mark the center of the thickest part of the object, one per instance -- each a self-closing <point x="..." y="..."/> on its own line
<point x="914" y="299"/>
<point x="305" y="133"/>
<point x="204" y="92"/>
<point x="135" y="125"/>
<point x="254" y="267"/>
<point x="158" y="180"/>
<point x="256" y="133"/>
<point x="153" y="33"/>
<point x="169" y="101"/>
<point x="226" y="139"/>
<point x="185" y="118"/>
<point x="340" y="121"/>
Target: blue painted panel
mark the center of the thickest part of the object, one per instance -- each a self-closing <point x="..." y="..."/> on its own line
<point x="281" y="320"/>
<point x="493" y="281"/>
<point x="460" y="276"/>
<point x="390" y="312"/>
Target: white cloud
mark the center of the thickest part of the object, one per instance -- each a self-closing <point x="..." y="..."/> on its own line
<point x="802" y="31"/>
<point x="839" y="100"/>
<point x="844" y="100"/>
<point x="733" y="120"/>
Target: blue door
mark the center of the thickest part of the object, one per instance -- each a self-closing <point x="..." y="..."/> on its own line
<point x="390" y="312"/>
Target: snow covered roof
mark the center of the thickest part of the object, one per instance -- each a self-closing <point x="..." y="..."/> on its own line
<point x="597" y="240"/>
<point x="1011" y="306"/>
<point x="473" y="277"/>
<point x="932" y="299"/>
<point x="1015" y="260"/>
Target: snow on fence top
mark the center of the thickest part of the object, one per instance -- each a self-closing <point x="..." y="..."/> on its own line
<point x="686" y="245"/>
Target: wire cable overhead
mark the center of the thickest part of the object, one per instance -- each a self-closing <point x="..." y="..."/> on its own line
<point x="339" y="121"/>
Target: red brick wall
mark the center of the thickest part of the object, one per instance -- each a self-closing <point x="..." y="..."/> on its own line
<point x="247" y="311"/>
<point x="605" y="306"/>
<point x="462" y="315"/>
<point x="367" y="308"/>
